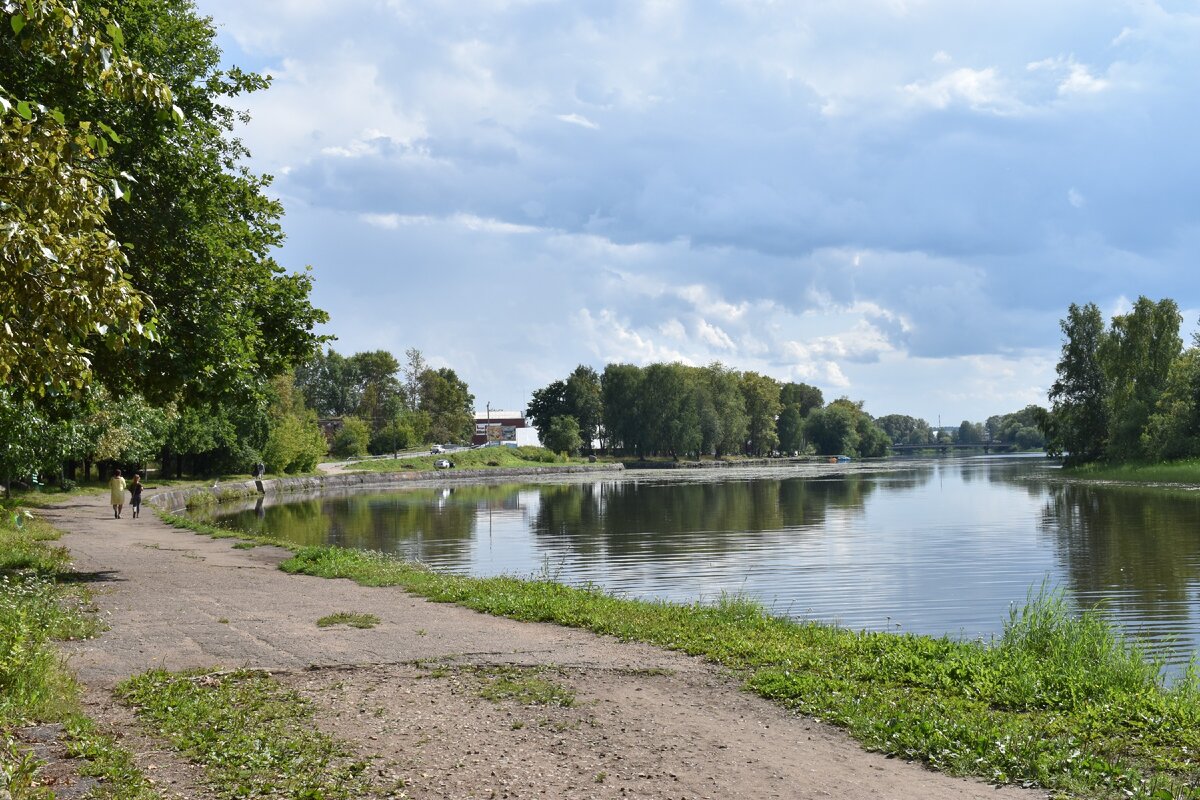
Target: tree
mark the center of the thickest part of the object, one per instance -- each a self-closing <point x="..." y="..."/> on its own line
<point x="761" y="394"/>
<point x="562" y="435"/>
<point x="903" y="429"/>
<point x="722" y="411"/>
<point x="1136" y="358"/>
<point x="797" y="401"/>
<point x="1078" y="396"/>
<point x="327" y="381"/>
<point x="376" y="385"/>
<point x="581" y="394"/>
<point x="620" y="395"/>
<point x="295" y="442"/>
<point x="971" y="433"/>
<point x="449" y="404"/>
<point x="545" y="405"/>
<point x="64" y="291"/>
<point x="1173" y="430"/>
<point x="833" y="430"/>
<point x="414" y="368"/>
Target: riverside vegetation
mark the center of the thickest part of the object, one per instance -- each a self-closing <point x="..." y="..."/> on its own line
<point x="39" y="605"/>
<point x="1060" y="700"/>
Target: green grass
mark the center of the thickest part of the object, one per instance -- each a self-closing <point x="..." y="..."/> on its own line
<point x="486" y="458"/>
<point x="351" y="618"/>
<point x="1059" y="700"/>
<point x="524" y="685"/>
<point x="37" y="607"/>
<point x="253" y="736"/>
<point x="1186" y="472"/>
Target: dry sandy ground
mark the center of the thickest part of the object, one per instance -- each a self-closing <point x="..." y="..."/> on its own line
<point x="646" y="723"/>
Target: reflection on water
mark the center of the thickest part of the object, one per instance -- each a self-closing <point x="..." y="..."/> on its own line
<point x="936" y="546"/>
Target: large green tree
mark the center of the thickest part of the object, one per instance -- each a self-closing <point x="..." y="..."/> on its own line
<point x="65" y="295"/>
<point x="1079" y="422"/>
<point x="761" y="394"/>
<point x="450" y="406"/>
<point x="1136" y="357"/>
<point x="196" y="238"/>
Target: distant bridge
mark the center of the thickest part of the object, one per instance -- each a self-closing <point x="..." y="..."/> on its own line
<point x="982" y="447"/>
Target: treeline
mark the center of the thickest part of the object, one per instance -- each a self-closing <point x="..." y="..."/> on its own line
<point x="1128" y="391"/>
<point x="144" y="317"/>
<point x="384" y="407"/>
<point x="679" y="410"/>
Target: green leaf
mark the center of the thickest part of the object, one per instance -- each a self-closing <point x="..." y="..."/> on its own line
<point x="58" y="116"/>
<point x="24" y="110"/>
<point x="18" y="23"/>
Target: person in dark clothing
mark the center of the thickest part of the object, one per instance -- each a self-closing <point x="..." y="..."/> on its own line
<point x="135" y="492"/>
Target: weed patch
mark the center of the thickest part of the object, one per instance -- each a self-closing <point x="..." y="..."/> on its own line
<point x="253" y="736"/>
<point x="350" y="618"/>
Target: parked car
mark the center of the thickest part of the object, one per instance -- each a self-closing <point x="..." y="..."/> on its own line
<point x="443" y="463"/>
<point x="437" y="448"/>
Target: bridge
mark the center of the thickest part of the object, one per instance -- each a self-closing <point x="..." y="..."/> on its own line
<point x="941" y="447"/>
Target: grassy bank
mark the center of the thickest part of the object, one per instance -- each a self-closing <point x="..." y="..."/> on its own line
<point x="1060" y="701"/>
<point x="1181" y="472"/>
<point x="38" y="605"/>
<point x="485" y="458"/>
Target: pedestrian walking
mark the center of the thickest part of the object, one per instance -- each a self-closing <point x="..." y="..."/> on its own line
<point x="116" y="491"/>
<point x="135" y="494"/>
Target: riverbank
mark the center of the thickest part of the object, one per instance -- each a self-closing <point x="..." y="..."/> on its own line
<point x="1174" y="473"/>
<point x="438" y="700"/>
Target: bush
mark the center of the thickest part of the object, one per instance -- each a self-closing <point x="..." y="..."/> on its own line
<point x="392" y="437"/>
<point x="295" y="444"/>
<point x="351" y="441"/>
<point x="563" y="435"/>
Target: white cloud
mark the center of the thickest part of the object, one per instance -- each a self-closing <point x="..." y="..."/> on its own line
<point x="978" y="89"/>
<point x="578" y="119"/>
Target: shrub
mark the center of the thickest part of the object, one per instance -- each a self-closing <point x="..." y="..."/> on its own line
<point x="351" y="441"/>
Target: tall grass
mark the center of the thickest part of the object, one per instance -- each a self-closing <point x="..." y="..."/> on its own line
<point x="1183" y="472"/>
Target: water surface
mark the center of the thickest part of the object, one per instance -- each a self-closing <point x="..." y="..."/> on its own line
<point x="928" y="546"/>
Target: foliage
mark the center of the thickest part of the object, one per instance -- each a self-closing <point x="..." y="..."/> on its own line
<point x="620" y="395"/>
<point x="295" y="443"/>
<point x="832" y="430"/>
<point x="1079" y="395"/>
<point x="971" y="433"/>
<point x="64" y="289"/>
<point x="1025" y="428"/>
<point x="1136" y="356"/>
<point x="563" y="436"/>
<point x="761" y="394"/>
<point x="903" y="429"/>
<point x="450" y="406"/>
<point x="578" y="397"/>
<point x="395" y="436"/>
<point x="1126" y="393"/>
<point x="351" y="439"/>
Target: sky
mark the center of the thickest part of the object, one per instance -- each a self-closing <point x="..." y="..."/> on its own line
<point x="893" y="200"/>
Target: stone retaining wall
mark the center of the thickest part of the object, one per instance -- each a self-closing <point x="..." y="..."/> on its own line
<point x="176" y="499"/>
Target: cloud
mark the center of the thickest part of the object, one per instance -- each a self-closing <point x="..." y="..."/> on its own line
<point x="859" y="193"/>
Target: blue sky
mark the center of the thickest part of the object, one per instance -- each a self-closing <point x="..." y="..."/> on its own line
<point x="893" y="200"/>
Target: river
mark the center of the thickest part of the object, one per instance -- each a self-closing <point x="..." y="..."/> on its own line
<point x="930" y="546"/>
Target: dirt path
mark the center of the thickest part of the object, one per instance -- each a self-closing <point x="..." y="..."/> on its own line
<point x="646" y="723"/>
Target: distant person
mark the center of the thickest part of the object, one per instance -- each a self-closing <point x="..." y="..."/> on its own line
<point x="260" y="469"/>
<point x="116" y="491"/>
<point x="135" y="494"/>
